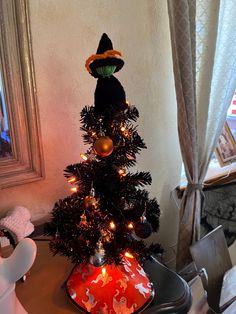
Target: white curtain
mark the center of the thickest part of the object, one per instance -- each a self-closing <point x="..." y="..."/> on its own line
<point x="203" y="37"/>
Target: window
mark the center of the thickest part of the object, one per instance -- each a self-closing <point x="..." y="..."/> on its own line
<point x="220" y="172"/>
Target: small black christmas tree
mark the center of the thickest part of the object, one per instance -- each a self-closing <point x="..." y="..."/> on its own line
<point x="109" y="214"/>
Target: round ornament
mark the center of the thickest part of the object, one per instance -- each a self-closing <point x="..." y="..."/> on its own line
<point x="57" y="235"/>
<point x="143" y="229"/>
<point x="103" y="146"/>
<point x="98" y="259"/>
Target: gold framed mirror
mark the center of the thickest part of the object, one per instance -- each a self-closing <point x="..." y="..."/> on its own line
<point x="23" y="161"/>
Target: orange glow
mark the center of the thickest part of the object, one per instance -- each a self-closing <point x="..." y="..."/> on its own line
<point x="71" y="180"/>
<point x="74" y="189"/>
<point x="122" y="129"/>
<point x="130" y="225"/>
<point x="84" y="157"/>
<point x="104" y="271"/>
<point x="108" y="239"/>
<point x="112" y="225"/>
<point x="122" y="172"/>
<point x="127" y="254"/>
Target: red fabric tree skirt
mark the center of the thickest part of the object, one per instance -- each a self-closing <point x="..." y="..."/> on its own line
<point x="110" y="289"/>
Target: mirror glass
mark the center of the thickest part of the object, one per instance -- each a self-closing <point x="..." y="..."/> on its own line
<point x="5" y="141"/>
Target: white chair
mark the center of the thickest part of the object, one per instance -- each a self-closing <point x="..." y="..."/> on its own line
<point x="11" y="270"/>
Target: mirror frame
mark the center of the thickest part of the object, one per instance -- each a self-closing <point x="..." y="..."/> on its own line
<point x="19" y="89"/>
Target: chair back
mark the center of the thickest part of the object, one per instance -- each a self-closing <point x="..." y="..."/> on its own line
<point x="211" y="253"/>
<point x="12" y="269"/>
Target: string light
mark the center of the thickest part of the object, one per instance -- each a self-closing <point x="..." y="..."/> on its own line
<point x="93" y="133"/>
<point x="124" y="130"/>
<point x="104" y="271"/>
<point x="127" y="254"/>
<point x="71" y="180"/>
<point x="108" y="239"/>
<point x="112" y="225"/>
<point x="127" y="103"/>
<point x="130" y="225"/>
<point x="84" y="157"/>
<point x="122" y="172"/>
<point x="74" y="189"/>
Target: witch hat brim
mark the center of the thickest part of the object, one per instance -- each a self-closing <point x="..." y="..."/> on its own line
<point x="105" y="56"/>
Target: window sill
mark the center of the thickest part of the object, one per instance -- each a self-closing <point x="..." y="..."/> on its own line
<point x="216" y="175"/>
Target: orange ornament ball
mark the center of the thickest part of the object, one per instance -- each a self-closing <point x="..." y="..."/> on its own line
<point x="103" y="146"/>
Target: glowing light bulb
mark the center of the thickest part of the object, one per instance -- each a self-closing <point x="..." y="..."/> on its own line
<point x="127" y="103"/>
<point x="127" y="254"/>
<point x="122" y="172"/>
<point x="93" y="133"/>
<point x="74" y="189"/>
<point x="130" y="225"/>
<point x="104" y="271"/>
<point x="112" y="225"/>
<point x="107" y="239"/>
<point x="84" y="157"/>
<point x="71" y="180"/>
<point x="122" y="129"/>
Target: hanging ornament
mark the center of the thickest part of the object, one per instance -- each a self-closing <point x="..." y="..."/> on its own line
<point x="90" y="201"/>
<point x="103" y="145"/>
<point x="107" y="235"/>
<point x="83" y="220"/>
<point x="143" y="229"/>
<point x="57" y="235"/>
<point x="128" y="206"/>
<point x="98" y="259"/>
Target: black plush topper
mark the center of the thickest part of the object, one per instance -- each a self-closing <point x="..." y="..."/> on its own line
<point x="109" y="93"/>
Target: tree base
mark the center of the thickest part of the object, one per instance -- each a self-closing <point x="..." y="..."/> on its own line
<point x="110" y="289"/>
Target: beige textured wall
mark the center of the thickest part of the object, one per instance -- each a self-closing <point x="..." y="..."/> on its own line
<point x="64" y="34"/>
